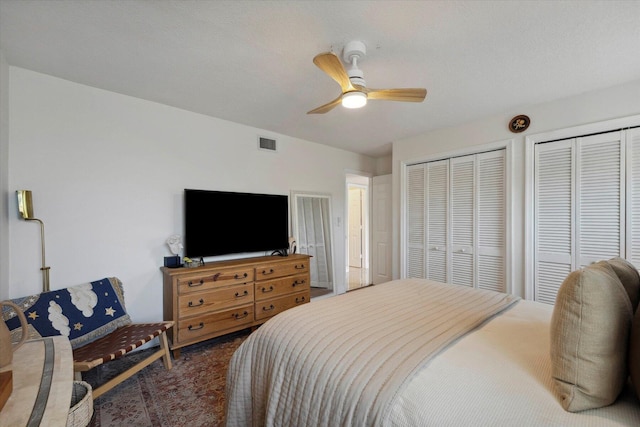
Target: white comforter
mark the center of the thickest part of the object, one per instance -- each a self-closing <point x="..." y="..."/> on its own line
<point x="500" y="375"/>
<point x="311" y="366"/>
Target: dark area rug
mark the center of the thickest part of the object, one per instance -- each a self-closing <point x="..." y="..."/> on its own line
<point x="190" y="394"/>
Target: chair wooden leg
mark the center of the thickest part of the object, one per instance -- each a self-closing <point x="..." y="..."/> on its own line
<point x="97" y="392"/>
<point x="164" y="345"/>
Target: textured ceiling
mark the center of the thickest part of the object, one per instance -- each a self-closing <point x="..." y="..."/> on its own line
<point x="250" y="62"/>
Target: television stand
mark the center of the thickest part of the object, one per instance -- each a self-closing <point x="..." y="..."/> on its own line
<point x="226" y="296"/>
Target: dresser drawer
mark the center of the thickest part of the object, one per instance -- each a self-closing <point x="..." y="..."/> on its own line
<point x="213" y="322"/>
<point x="216" y="279"/>
<point x="217" y="299"/>
<point x="274" y="288"/>
<point x="271" y="307"/>
<point x="271" y="271"/>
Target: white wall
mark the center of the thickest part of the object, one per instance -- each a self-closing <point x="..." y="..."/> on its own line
<point x="384" y="165"/>
<point x="614" y="102"/>
<point x="108" y="172"/>
<point x="4" y="177"/>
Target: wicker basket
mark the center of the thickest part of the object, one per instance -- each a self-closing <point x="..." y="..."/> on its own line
<point x="81" y="409"/>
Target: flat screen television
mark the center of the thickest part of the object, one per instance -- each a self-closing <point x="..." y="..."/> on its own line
<point x="221" y="223"/>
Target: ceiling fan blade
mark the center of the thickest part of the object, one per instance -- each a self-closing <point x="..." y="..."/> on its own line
<point x="405" y="95"/>
<point x="330" y="64"/>
<point x="327" y="107"/>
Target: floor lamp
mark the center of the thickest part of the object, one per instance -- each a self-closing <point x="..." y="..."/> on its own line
<point x="25" y="207"/>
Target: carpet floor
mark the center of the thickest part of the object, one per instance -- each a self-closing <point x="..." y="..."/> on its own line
<point x="190" y="394"/>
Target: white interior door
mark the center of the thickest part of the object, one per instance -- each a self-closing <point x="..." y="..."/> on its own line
<point x="415" y="222"/>
<point x="491" y="219"/>
<point x="437" y="222"/>
<point x="312" y="232"/>
<point x="355" y="227"/>
<point x="461" y="218"/>
<point x="382" y="227"/>
<point x="579" y="197"/>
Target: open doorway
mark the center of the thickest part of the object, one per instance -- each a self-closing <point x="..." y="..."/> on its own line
<point x="357" y="230"/>
<point x="311" y="225"/>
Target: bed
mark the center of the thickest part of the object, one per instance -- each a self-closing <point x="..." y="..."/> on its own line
<point x="409" y="352"/>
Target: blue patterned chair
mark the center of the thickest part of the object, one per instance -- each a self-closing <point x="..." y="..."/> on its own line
<point x="94" y="318"/>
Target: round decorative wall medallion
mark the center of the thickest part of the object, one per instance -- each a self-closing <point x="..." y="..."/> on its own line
<point x="519" y="123"/>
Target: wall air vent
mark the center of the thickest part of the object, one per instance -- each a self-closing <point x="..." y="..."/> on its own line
<point x="267" y="144"/>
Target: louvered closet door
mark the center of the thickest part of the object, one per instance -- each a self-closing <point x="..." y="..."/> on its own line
<point x="437" y="207"/>
<point x="554" y="232"/>
<point x="415" y="221"/>
<point x="600" y="203"/>
<point x="461" y="217"/>
<point x="491" y="220"/>
<point x="633" y="196"/>
<point x="580" y="207"/>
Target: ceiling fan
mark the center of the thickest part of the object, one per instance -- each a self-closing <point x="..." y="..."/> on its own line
<point x="355" y="92"/>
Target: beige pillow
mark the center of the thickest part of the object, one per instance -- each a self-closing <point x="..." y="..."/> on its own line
<point x="629" y="277"/>
<point x="590" y="338"/>
<point x="634" y="353"/>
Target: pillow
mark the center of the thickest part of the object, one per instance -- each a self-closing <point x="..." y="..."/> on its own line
<point x="634" y="353"/>
<point x="82" y="313"/>
<point x="629" y="277"/>
<point x="590" y="329"/>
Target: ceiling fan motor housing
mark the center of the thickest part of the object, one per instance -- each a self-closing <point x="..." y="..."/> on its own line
<point x="356" y="76"/>
<point x="351" y="54"/>
<point x="356" y="48"/>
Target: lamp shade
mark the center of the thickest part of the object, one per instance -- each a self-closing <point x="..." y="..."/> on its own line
<point x="25" y="204"/>
<point x="354" y="99"/>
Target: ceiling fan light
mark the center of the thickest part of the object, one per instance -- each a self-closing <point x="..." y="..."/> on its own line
<point x="354" y="99"/>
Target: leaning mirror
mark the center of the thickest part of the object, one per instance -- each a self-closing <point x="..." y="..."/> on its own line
<point x="311" y="226"/>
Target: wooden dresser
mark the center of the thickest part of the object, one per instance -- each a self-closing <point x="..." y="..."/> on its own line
<point x="226" y="296"/>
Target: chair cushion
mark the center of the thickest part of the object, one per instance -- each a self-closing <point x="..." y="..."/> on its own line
<point x="82" y="313"/>
<point x="590" y="329"/>
<point x="117" y="344"/>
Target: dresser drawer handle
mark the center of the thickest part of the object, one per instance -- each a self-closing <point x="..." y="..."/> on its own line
<point x="265" y="290"/>
<point x="238" y="316"/>
<point x="299" y="300"/>
<point x="299" y="267"/>
<point x="192" y="285"/>
<point x="244" y="276"/>
<point x="298" y="283"/>
<point x="265" y="272"/>
<point x="271" y="307"/>
<point x="240" y="295"/>
<point x="191" y="304"/>
<point x="200" y="326"/>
